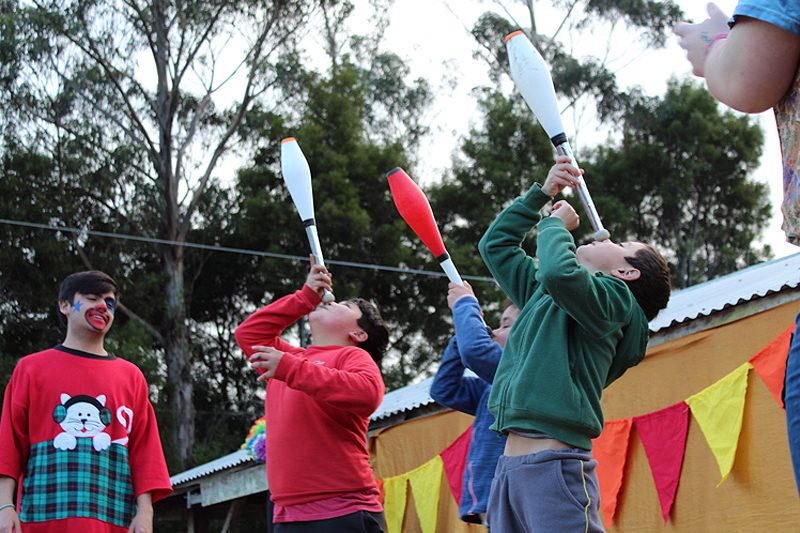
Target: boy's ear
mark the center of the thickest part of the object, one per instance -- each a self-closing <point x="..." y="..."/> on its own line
<point x="358" y="336"/>
<point x="627" y="273"/>
<point x="64" y="306"/>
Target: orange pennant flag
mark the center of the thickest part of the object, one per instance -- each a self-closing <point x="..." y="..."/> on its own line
<point x="610" y="450"/>
<point x="770" y="363"/>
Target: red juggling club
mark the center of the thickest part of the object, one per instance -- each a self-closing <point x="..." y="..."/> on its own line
<point x="415" y="209"/>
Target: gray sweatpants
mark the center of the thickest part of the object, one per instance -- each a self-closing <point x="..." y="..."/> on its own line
<point x="551" y="491"/>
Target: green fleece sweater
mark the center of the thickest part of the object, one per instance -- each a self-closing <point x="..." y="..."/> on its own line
<point x="576" y="332"/>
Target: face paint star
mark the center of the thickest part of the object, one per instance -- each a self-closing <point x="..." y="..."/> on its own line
<point x="76" y="306"/>
<point x="111" y="304"/>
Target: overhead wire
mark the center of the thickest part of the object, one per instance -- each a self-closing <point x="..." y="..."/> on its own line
<point x="230" y="249"/>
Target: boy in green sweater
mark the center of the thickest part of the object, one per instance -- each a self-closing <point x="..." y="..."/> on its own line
<point x="583" y="322"/>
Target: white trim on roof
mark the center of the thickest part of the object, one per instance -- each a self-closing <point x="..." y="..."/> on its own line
<point x="223" y="463"/>
<point x="732" y="289"/>
<point x="404" y="399"/>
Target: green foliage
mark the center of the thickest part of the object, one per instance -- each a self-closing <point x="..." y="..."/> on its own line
<point x="680" y="179"/>
<point x="587" y="77"/>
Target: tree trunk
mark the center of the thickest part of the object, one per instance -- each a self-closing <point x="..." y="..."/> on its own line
<point x="179" y="357"/>
<point x="175" y="332"/>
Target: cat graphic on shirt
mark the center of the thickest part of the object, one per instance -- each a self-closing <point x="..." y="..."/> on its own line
<point x="84" y="416"/>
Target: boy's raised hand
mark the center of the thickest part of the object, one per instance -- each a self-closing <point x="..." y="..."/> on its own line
<point x="265" y="358"/>
<point x="318" y="278"/>
<point x="561" y="175"/>
<point x="457" y="291"/>
<point x="567" y="214"/>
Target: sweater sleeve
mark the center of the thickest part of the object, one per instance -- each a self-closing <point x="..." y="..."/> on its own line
<point x="595" y="301"/>
<point x="451" y="388"/>
<point x="354" y="384"/>
<point x="500" y="248"/>
<point x="146" y="457"/>
<point x="478" y="351"/>
<point x="14" y="437"/>
<point x="264" y="327"/>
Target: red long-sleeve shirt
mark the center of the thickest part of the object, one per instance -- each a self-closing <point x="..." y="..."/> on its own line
<point x="317" y="408"/>
<point x="79" y="435"/>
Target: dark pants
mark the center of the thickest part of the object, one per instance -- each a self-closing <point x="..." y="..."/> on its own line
<point x="552" y="491"/>
<point x="358" y="522"/>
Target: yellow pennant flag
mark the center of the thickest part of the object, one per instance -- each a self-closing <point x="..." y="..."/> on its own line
<point x="394" y="502"/>
<point x="719" y="410"/>
<point x="426" y="482"/>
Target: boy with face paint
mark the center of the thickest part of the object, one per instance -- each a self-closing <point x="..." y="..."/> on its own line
<point x="477" y="347"/>
<point x="318" y="404"/>
<point x="78" y="437"/>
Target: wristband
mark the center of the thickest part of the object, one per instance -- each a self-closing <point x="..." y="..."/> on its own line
<point x="714" y="39"/>
<point x="7" y="505"/>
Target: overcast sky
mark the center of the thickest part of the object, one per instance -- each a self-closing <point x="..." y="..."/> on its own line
<point x="432" y="37"/>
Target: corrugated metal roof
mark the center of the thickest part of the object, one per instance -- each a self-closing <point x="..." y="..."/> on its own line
<point x="223" y="463"/>
<point x="404" y="399"/>
<point x="729" y="290"/>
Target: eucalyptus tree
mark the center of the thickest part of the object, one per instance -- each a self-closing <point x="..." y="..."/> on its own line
<point x="169" y="82"/>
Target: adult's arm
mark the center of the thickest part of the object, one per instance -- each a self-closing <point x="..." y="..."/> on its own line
<point x="749" y="67"/>
<point x="754" y="67"/>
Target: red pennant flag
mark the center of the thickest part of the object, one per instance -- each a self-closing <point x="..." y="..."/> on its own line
<point x="610" y="450"/>
<point x="663" y="435"/>
<point x="454" y="458"/>
<point x="770" y="363"/>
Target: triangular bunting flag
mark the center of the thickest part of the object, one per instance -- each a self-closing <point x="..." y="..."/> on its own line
<point x="719" y="410"/>
<point x="394" y="502"/>
<point x="426" y="483"/>
<point x="610" y="450"/>
<point x="663" y="435"/>
<point x="454" y="458"/>
<point x="770" y="363"/>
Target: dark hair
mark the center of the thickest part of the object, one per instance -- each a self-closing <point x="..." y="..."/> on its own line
<point x="88" y="282"/>
<point x="652" y="288"/>
<point x="508" y="303"/>
<point x="373" y="325"/>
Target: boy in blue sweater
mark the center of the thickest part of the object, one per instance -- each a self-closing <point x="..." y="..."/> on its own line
<point x="583" y="322"/>
<point x="476" y="347"/>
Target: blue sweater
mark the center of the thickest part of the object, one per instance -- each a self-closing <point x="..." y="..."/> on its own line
<point x="473" y="348"/>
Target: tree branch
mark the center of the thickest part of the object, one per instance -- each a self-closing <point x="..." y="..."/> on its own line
<point x="125" y="309"/>
<point x="94" y="52"/>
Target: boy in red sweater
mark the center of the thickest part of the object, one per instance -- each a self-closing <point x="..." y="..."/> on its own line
<point x="319" y="400"/>
<point x="78" y="430"/>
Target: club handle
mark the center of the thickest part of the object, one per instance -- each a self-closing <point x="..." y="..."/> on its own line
<point x="316" y="250"/>
<point x="600" y="232"/>
<point x="449" y="268"/>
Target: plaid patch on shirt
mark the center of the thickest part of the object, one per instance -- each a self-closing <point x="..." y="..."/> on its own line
<point x="78" y="483"/>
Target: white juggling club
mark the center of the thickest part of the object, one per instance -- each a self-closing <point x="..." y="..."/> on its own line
<point x="297" y="176"/>
<point x="532" y="78"/>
